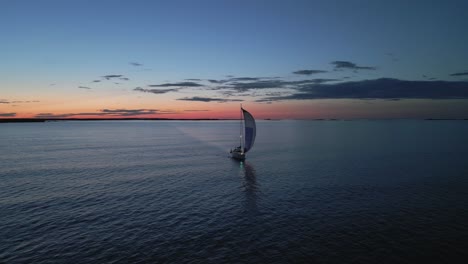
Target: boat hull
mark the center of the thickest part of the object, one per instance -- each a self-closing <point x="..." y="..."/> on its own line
<point x="238" y="155"/>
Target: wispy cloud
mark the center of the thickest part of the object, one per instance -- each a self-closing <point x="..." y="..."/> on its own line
<point x="109" y="113"/>
<point x="339" y="65"/>
<point x="96" y="81"/>
<point x="129" y="112"/>
<point x="155" y="91"/>
<point x="50" y="115"/>
<point x="177" y="84"/>
<point x="196" y="110"/>
<point x="136" y="64"/>
<point x="3" y="101"/>
<point x="230" y="93"/>
<point x="83" y="87"/>
<point x="208" y="99"/>
<point x="7" y="114"/>
<point x="384" y="88"/>
<point x="459" y="74"/>
<point x="232" y="79"/>
<point x="124" y="79"/>
<point x="308" y="72"/>
<point x="110" y="76"/>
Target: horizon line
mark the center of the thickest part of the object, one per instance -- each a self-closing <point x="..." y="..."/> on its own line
<point x="38" y="120"/>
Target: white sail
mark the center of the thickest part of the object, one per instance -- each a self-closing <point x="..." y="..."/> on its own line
<point x="249" y="130"/>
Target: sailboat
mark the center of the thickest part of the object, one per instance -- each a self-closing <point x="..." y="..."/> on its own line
<point x="247" y="135"/>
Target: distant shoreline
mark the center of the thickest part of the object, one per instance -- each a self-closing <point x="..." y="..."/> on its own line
<point x="41" y="120"/>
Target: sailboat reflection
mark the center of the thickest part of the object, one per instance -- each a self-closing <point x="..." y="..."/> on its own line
<point x="251" y="187"/>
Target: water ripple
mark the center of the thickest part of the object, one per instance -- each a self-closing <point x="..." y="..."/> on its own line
<point x="143" y="192"/>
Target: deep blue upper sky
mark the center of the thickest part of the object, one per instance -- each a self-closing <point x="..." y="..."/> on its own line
<point x="184" y="39"/>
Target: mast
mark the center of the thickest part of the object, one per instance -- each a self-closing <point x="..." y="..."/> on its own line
<point x="241" y="137"/>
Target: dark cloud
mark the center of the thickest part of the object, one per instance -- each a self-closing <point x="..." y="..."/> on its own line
<point x="7" y="114"/>
<point x="108" y="113"/>
<point x="3" y="101"/>
<point x="245" y="86"/>
<point x="459" y="74"/>
<point x="83" y="87"/>
<point x="196" y="80"/>
<point x="208" y="99"/>
<point x="349" y="65"/>
<point x="308" y="72"/>
<point x="110" y="76"/>
<point x="216" y="81"/>
<point x="384" y="88"/>
<point x="124" y="79"/>
<point x="240" y="79"/>
<point x="178" y="84"/>
<point x="271" y="84"/>
<point x="315" y="81"/>
<point x="135" y="64"/>
<point x="96" y="81"/>
<point x="155" y="91"/>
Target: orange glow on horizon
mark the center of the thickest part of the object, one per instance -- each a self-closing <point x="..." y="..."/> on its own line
<point x="172" y="109"/>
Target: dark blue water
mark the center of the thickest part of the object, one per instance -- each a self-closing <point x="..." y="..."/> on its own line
<point x="309" y="191"/>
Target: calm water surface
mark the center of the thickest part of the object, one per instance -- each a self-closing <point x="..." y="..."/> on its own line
<point x="166" y="192"/>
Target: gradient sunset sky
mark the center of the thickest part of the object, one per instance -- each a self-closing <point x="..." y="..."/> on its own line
<point x="201" y="59"/>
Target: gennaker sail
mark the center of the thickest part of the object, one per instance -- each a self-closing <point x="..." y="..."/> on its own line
<point x="247" y="135"/>
<point x="249" y="130"/>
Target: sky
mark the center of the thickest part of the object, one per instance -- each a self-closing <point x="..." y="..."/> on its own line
<point x="202" y="59"/>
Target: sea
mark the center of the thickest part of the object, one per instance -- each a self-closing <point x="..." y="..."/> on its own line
<point x="331" y="191"/>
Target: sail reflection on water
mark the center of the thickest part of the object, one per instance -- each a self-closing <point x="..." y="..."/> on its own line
<point x="251" y="187"/>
